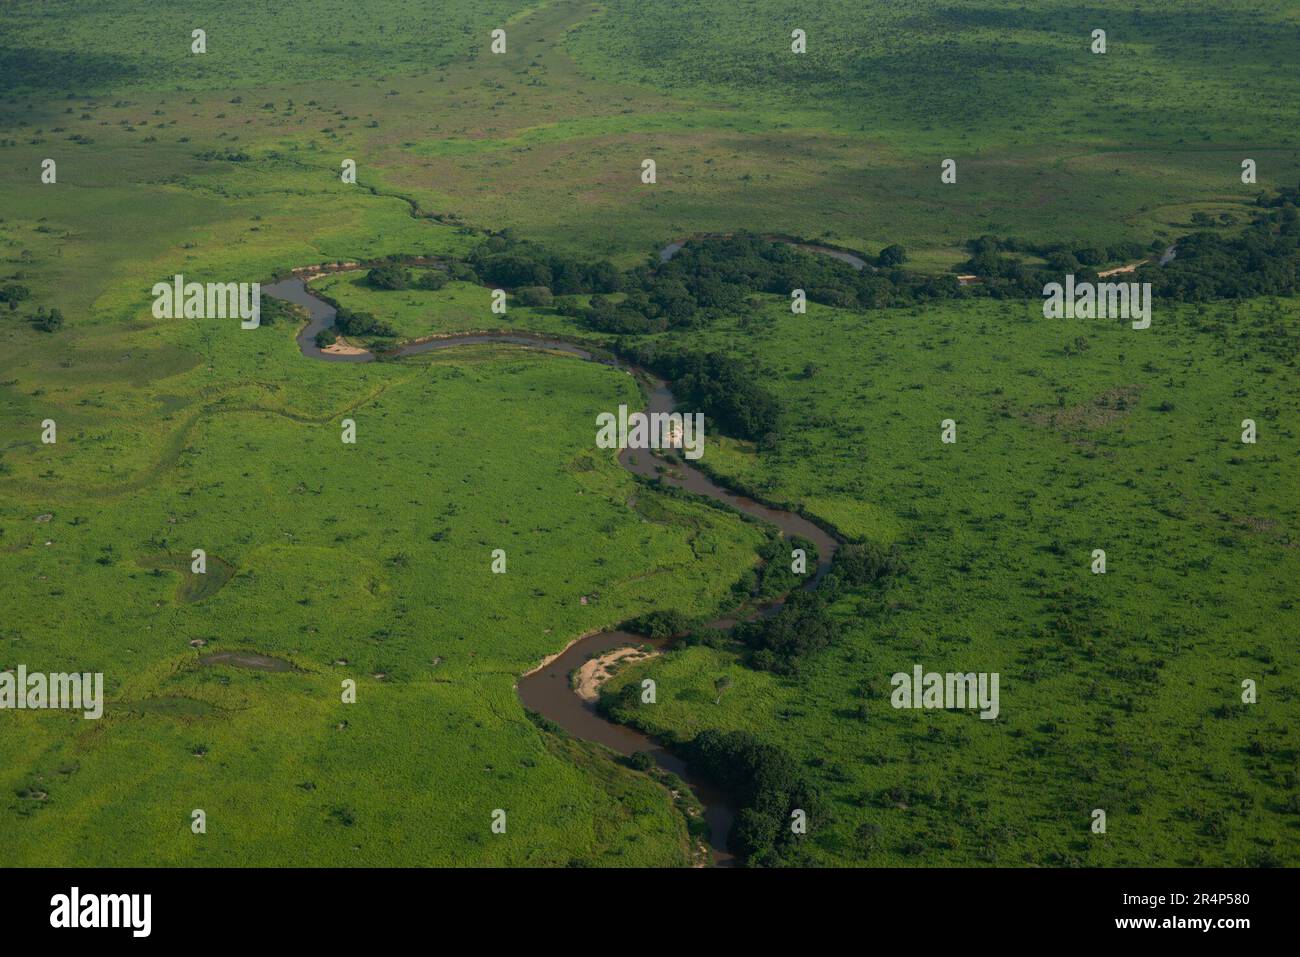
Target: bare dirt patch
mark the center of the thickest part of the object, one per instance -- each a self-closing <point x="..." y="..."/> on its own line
<point x="1103" y="410"/>
<point x="341" y="348"/>
<point x="246" y="659"/>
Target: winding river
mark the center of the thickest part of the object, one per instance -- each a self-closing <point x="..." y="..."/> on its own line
<point x="546" y="689"/>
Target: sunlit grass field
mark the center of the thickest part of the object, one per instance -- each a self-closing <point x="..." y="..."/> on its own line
<point x="368" y="562"/>
<point x="1119" y="691"/>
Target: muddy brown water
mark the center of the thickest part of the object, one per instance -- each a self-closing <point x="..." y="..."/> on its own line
<point x="547" y="689"/>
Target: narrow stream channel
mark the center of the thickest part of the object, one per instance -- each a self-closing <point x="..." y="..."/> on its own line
<point x="546" y="689"/>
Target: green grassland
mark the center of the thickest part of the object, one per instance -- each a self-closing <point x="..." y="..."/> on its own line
<point x="1112" y="685"/>
<point x="176" y="434"/>
<point x="121" y="46"/>
<point x="376" y="555"/>
<point x="843" y="142"/>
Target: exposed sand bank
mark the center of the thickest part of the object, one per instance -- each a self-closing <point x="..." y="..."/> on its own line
<point x="596" y="671"/>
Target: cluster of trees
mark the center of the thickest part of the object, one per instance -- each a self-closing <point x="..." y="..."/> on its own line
<point x="432" y="280"/>
<point x="1263" y="260"/>
<point x="352" y="323"/>
<point x="805" y="625"/>
<point x="768" y="786"/>
<point x="229" y="156"/>
<point x="708" y="280"/>
<point x="535" y="274"/>
<point x="14" y="293"/>
<point x="615" y="318"/>
<point x="534" y="296"/>
<point x="504" y="261"/>
<point x="48" y="321"/>
<point x="771" y="579"/>
<point x="273" y="310"/>
<point x="864" y="563"/>
<point x="725" y="388"/>
<point x="719" y="272"/>
<point x="893" y="255"/>
<point x="395" y="276"/>
<point x="659" y="624"/>
<point x="390" y="276"/>
<point x="773" y="576"/>
<point x="1006" y="276"/>
<point x="783" y="643"/>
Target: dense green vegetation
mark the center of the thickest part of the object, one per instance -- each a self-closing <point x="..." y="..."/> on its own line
<point x="668" y="623"/>
<point x="362" y="324"/>
<point x="783" y="642"/>
<point x="1262" y="259"/>
<point x="729" y="391"/>
<point x="805" y="626"/>
<point x="768" y="786"/>
<point x="388" y="277"/>
<point x="504" y="261"/>
<point x="1131" y="445"/>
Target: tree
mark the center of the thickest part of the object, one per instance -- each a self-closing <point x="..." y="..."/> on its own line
<point x="604" y="277"/>
<point x="388" y="277"/>
<point x="766" y="784"/>
<point x="893" y="255"/>
<point x="431" y="280"/>
<point x="659" y="624"/>
<point x="361" y="324"/>
<point x="534" y="296"/>
<point x="866" y="563"/>
<point x="50" y="321"/>
<point x="640" y="761"/>
<point x="14" y="293"/>
<point x="782" y="643"/>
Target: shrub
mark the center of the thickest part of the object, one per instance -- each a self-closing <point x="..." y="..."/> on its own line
<point x="463" y="272"/>
<point x="361" y="324"/>
<point x="432" y="280"/>
<point x="14" y="293"/>
<point x="534" y="296"/>
<point x="866" y="564"/>
<point x="50" y="321"/>
<point x="388" y="277"/>
<point x="659" y="624"/>
<point x="640" y="761"/>
<point x="892" y="255"/>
